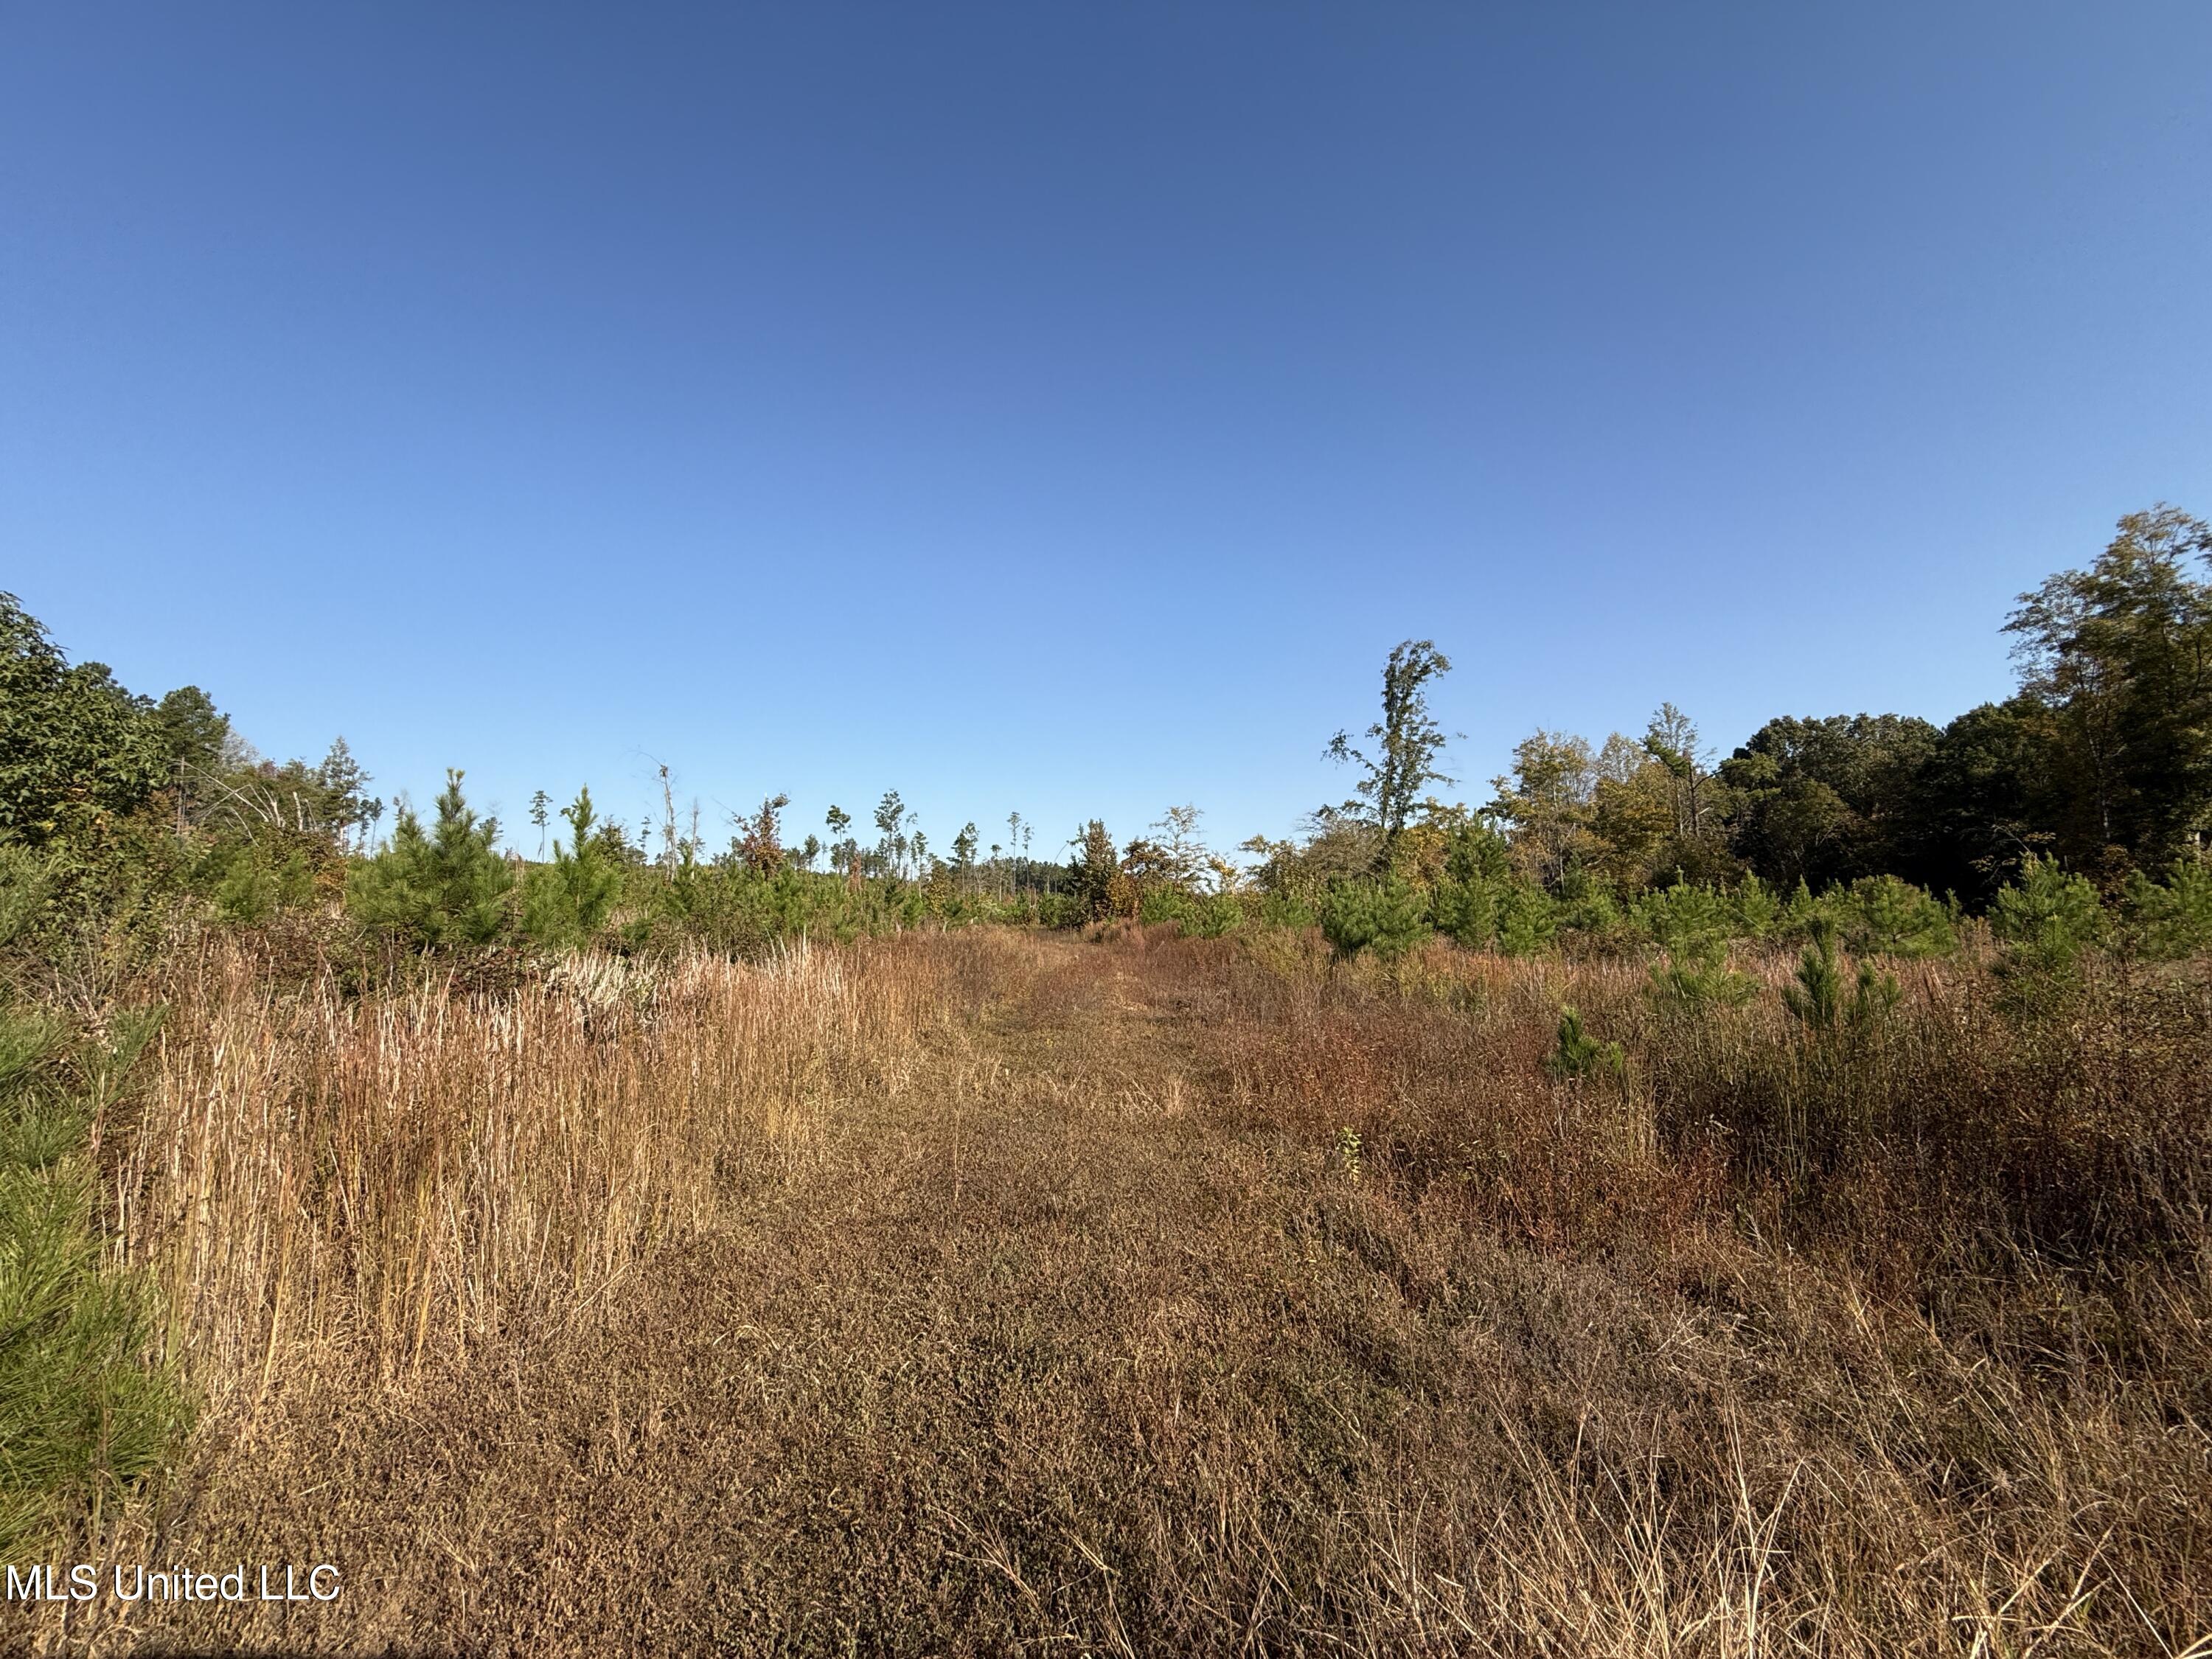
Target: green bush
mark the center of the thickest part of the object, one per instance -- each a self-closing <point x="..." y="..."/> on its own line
<point x="1818" y="1002"/>
<point x="26" y="888"/>
<point x="1684" y="919"/>
<point x="1158" y="904"/>
<point x="1697" y="973"/>
<point x="1589" y="908"/>
<point x="1758" y="912"/>
<point x="1215" y="915"/>
<point x="250" y="879"/>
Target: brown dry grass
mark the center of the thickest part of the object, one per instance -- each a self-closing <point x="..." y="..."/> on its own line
<point x="988" y="1293"/>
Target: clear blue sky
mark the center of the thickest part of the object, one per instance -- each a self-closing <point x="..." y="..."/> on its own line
<point x="1066" y="408"/>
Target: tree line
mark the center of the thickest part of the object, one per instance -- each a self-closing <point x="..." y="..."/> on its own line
<point x="2096" y="771"/>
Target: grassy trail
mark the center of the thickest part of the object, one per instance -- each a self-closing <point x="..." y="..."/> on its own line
<point x="907" y="1397"/>
<point x="1051" y="1315"/>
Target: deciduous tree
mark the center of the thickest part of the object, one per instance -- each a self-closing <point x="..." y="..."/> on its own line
<point x="1406" y="744"/>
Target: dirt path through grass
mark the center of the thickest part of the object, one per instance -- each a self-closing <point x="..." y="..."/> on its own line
<point x="1060" y="1322"/>
<point x="918" y="1397"/>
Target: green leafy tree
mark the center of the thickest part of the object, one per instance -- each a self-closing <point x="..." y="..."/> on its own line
<point x="194" y="737"/>
<point x="1990" y="793"/>
<point x="567" y="902"/>
<point x="1406" y="743"/>
<point x="446" y="888"/>
<point x="72" y="742"/>
<point x="1828" y="800"/>
<point x="1549" y="801"/>
<point x="2121" y="654"/>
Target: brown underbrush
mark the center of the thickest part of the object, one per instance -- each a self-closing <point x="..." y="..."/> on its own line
<point x="994" y="1293"/>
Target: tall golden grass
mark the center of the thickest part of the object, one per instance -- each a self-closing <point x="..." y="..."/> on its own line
<point x="402" y="1174"/>
<point x="991" y="1293"/>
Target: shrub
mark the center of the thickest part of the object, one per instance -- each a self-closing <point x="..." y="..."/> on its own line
<point x="1214" y="915"/>
<point x="1590" y="907"/>
<point x="25" y="887"/>
<point x="250" y="880"/>
<point x="1818" y="1001"/>
<point x="1697" y="973"/>
<point x="1684" y="919"/>
<point x="1163" y="904"/>
<point x="1797" y="916"/>
<point x="1756" y="910"/>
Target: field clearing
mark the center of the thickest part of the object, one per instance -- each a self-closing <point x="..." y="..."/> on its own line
<point x="994" y="1292"/>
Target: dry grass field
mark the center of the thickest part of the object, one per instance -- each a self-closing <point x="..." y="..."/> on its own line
<point x="985" y="1293"/>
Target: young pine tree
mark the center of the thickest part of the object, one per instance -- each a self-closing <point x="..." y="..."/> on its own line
<point x="1091" y="873"/>
<point x="2047" y="918"/>
<point x="1579" y="1055"/>
<point x="1818" y="1001"/>
<point x="1388" y="916"/>
<point x="444" y="888"/>
<point x="566" y="901"/>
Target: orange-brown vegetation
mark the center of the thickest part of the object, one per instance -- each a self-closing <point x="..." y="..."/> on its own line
<point x="985" y="1293"/>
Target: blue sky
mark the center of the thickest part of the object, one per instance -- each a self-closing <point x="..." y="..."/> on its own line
<point x="1065" y="409"/>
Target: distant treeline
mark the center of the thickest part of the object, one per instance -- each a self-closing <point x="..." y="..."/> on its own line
<point x="2091" y="783"/>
